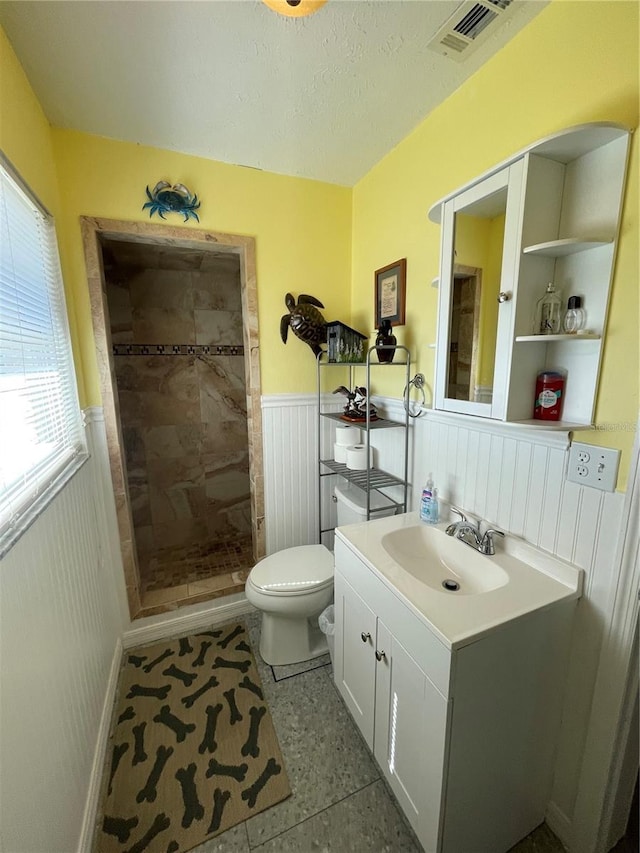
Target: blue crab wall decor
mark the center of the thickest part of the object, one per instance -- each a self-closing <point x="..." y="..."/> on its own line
<point x="171" y="199"/>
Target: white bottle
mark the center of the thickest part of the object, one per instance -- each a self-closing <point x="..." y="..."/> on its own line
<point x="434" y="512"/>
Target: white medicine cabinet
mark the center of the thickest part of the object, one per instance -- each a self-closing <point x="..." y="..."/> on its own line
<point x="551" y="213"/>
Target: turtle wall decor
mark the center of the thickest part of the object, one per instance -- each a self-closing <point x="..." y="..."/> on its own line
<point x="305" y="321"/>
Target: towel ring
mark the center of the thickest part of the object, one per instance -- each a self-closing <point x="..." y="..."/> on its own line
<point x="418" y="382"/>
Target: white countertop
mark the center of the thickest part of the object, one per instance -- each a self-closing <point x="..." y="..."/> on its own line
<point x="536" y="580"/>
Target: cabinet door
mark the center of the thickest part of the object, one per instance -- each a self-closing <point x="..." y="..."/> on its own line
<point x="478" y="277"/>
<point x="410" y="734"/>
<point x="354" y="663"/>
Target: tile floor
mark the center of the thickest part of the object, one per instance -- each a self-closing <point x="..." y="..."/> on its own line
<point x="339" y="802"/>
<point x="172" y="577"/>
<point x="170" y="567"/>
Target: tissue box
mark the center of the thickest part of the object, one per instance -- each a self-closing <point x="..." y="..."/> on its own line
<point x="345" y="344"/>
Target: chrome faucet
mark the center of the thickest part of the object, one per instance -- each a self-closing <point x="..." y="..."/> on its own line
<point x="469" y="533"/>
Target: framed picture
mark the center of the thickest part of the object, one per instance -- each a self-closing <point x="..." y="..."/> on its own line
<point x="391" y="290"/>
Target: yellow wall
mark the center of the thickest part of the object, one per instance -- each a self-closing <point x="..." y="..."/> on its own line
<point x="25" y="138"/>
<point x="489" y="307"/>
<point x="576" y="62"/>
<point x="302" y="230"/>
<point x="478" y="243"/>
<point x="470" y="240"/>
<point x="24" y="130"/>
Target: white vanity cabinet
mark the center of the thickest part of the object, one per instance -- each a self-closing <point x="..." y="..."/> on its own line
<point x="399" y="710"/>
<point x="551" y="213"/>
<point x="464" y="736"/>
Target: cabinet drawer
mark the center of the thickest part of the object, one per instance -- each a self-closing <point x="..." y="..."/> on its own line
<point x="426" y="649"/>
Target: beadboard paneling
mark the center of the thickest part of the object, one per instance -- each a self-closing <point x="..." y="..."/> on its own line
<point x="59" y="629"/>
<point x="518" y="484"/>
<point x="290" y="435"/>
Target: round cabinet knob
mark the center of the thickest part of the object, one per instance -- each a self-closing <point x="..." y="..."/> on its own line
<point x="380" y="655"/>
<point x="504" y="296"/>
<point x="365" y="637"/>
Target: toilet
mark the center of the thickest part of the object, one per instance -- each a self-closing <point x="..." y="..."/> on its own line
<point x="292" y="587"/>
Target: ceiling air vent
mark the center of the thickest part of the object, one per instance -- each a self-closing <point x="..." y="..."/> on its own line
<point x="468" y="27"/>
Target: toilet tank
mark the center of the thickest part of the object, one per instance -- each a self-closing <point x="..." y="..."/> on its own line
<point x="352" y="504"/>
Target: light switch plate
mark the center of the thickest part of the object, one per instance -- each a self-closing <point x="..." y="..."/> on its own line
<point x="593" y="466"/>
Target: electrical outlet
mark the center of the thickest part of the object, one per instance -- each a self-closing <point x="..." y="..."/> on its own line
<point x="593" y="466"/>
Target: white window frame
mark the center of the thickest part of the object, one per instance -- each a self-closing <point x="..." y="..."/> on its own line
<point x="42" y="440"/>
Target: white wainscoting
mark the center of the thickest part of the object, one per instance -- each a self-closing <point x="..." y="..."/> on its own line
<point x="290" y="447"/>
<point x="60" y="628"/>
<point x="508" y="476"/>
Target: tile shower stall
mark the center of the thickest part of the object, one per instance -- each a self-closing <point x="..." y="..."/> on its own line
<point x="176" y="330"/>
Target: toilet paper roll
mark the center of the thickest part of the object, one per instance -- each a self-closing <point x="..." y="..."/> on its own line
<point x="357" y="457"/>
<point x="348" y="435"/>
<point x="340" y="453"/>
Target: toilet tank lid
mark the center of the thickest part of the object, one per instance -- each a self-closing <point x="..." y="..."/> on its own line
<point x="294" y="569"/>
<point x="356" y="498"/>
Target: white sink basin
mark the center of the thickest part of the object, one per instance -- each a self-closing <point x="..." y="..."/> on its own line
<point x="444" y="563"/>
<point x="413" y="559"/>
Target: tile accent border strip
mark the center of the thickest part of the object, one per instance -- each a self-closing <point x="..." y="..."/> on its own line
<point x="178" y="349"/>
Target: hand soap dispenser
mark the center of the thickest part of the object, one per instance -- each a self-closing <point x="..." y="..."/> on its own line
<point x="429" y="503"/>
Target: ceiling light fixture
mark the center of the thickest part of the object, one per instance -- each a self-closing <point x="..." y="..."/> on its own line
<point x="295" y="8"/>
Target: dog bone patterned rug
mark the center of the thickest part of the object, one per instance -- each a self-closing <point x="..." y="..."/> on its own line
<point x="193" y="748"/>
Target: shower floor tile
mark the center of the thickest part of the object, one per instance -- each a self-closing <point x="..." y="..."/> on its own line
<point x="203" y="567"/>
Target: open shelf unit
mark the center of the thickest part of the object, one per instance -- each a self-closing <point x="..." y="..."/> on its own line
<point x="548" y="339"/>
<point x="378" y="423"/>
<point x="566" y="246"/>
<point x="568" y="229"/>
<point x="374" y="478"/>
<point x="371" y="479"/>
<point x="554" y="426"/>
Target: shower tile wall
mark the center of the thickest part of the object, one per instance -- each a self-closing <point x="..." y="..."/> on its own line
<point x="183" y="412"/>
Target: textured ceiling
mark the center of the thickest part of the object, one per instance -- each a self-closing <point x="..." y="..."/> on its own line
<point x="323" y="97"/>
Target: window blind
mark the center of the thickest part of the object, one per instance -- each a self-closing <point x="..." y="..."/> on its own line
<point x="40" y="424"/>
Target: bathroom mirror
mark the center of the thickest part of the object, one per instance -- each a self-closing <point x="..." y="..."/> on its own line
<point x="475" y="284"/>
<point x="473" y="311"/>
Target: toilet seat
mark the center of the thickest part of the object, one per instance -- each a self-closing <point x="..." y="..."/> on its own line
<point x="294" y="571"/>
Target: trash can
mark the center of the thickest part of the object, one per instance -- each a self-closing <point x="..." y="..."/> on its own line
<point x="327" y="624"/>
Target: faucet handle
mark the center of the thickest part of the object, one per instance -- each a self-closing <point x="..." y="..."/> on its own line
<point x="459" y="512"/>
<point x="487" y="545"/>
